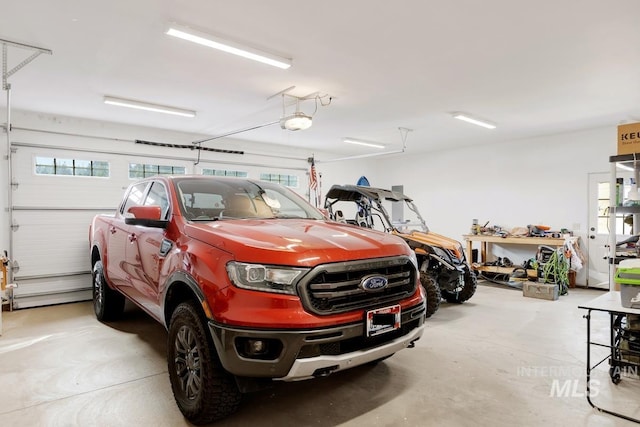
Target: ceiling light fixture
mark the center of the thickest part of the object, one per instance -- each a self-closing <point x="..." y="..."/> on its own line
<point x="121" y="102"/>
<point x="360" y="142"/>
<point x="296" y="121"/>
<point x="468" y="118"/>
<point x="228" y="46"/>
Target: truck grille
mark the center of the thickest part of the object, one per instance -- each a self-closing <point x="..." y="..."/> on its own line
<point x="335" y="288"/>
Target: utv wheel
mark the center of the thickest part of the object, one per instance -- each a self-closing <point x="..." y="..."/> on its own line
<point x="107" y="303"/>
<point x="203" y="390"/>
<point x="432" y="290"/>
<point x="461" y="295"/>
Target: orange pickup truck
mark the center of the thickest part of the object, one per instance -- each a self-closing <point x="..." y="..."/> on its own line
<point x="253" y="285"/>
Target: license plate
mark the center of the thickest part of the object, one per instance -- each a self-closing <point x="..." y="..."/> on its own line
<point x="383" y="320"/>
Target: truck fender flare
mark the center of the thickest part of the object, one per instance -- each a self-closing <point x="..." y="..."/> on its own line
<point x="192" y="284"/>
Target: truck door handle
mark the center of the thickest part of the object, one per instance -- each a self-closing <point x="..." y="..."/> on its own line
<point x="112" y="229"/>
<point x="132" y="238"/>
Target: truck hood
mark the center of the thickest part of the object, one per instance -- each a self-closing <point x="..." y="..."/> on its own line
<point x="434" y="239"/>
<point x="299" y="242"/>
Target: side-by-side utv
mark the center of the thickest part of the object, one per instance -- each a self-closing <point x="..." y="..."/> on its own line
<point x="444" y="270"/>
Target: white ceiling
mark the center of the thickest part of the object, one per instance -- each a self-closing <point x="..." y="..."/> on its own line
<point x="534" y="68"/>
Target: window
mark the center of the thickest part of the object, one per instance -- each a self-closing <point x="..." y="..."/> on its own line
<point x="209" y="200"/>
<point x="139" y="170"/>
<point x="624" y="223"/>
<point x="71" y="167"/>
<point x="134" y="198"/>
<point x="158" y="197"/>
<point x="223" y="172"/>
<point x="287" y="180"/>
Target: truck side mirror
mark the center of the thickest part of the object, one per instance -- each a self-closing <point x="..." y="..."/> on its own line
<point x="146" y="216"/>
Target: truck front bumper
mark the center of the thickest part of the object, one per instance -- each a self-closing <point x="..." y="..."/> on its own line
<point x="303" y="354"/>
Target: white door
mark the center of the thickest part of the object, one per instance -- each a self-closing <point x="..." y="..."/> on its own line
<point x="598" y="237"/>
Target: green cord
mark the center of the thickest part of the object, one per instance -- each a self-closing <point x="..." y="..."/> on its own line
<point x="558" y="268"/>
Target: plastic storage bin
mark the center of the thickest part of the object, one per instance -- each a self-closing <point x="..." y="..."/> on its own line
<point x="628" y="277"/>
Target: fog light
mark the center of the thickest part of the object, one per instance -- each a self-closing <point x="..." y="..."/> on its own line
<point x="258" y="348"/>
<point x="255" y="347"/>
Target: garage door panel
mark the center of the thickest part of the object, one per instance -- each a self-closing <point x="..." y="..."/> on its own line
<point x="50" y="199"/>
<point x="52" y="290"/>
<point x="51" y="242"/>
<point x="54" y="192"/>
<point x="63" y="191"/>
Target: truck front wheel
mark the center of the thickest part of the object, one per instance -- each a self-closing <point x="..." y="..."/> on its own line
<point x="107" y="303"/>
<point x="203" y="390"/>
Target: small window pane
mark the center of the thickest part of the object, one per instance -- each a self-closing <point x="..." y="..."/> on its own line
<point x="287" y="180"/>
<point x="45" y="161"/>
<point x="138" y="170"/>
<point x="223" y="172"/>
<point x="83" y="171"/>
<point x="165" y="170"/>
<point x="69" y="167"/>
<point x="45" y="170"/>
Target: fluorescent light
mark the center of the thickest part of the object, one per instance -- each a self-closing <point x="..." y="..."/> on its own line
<point x="467" y="118"/>
<point x="148" y="106"/>
<point x="228" y="46"/>
<point x="360" y="142"/>
<point x="296" y="121"/>
<point x="624" y="167"/>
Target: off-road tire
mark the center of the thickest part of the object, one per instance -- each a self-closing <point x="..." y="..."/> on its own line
<point x="470" y="285"/>
<point x="203" y="390"/>
<point x="107" y="303"/>
<point x="432" y="290"/>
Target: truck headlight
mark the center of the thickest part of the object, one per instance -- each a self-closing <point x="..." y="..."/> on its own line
<point x="414" y="259"/>
<point x="258" y="277"/>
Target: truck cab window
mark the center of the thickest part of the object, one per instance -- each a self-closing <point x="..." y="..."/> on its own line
<point x="158" y="197"/>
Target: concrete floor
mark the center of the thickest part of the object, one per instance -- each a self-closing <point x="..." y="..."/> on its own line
<point x="492" y="361"/>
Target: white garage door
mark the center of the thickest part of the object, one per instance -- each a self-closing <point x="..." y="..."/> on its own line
<point x="52" y="214"/>
<point x="51" y="217"/>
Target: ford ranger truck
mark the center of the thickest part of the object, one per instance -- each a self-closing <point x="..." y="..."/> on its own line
<point x="253" y="284"/>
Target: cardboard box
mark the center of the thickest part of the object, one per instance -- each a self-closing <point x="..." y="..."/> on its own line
<point x="548" y="291"/>
<point x="629" y="138"/>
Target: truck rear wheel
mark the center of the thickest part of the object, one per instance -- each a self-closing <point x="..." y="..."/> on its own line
<point x="465" y="292"/>
<point x="107" y="303"/>
<point x="432" y="290"/>
<point x="203" y="390"/>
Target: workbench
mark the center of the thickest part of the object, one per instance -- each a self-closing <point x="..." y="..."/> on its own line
<point x="485" y="240"/>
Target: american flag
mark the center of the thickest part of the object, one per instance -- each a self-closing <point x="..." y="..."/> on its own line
<point x="313" y="177"/>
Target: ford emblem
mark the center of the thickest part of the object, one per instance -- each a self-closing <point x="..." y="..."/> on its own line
<point x="374" y="283"/>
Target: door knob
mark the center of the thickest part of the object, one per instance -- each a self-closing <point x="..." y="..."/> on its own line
<point x="592" y="236"/>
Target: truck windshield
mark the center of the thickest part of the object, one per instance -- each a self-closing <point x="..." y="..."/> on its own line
<point x="210" y="199"/>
